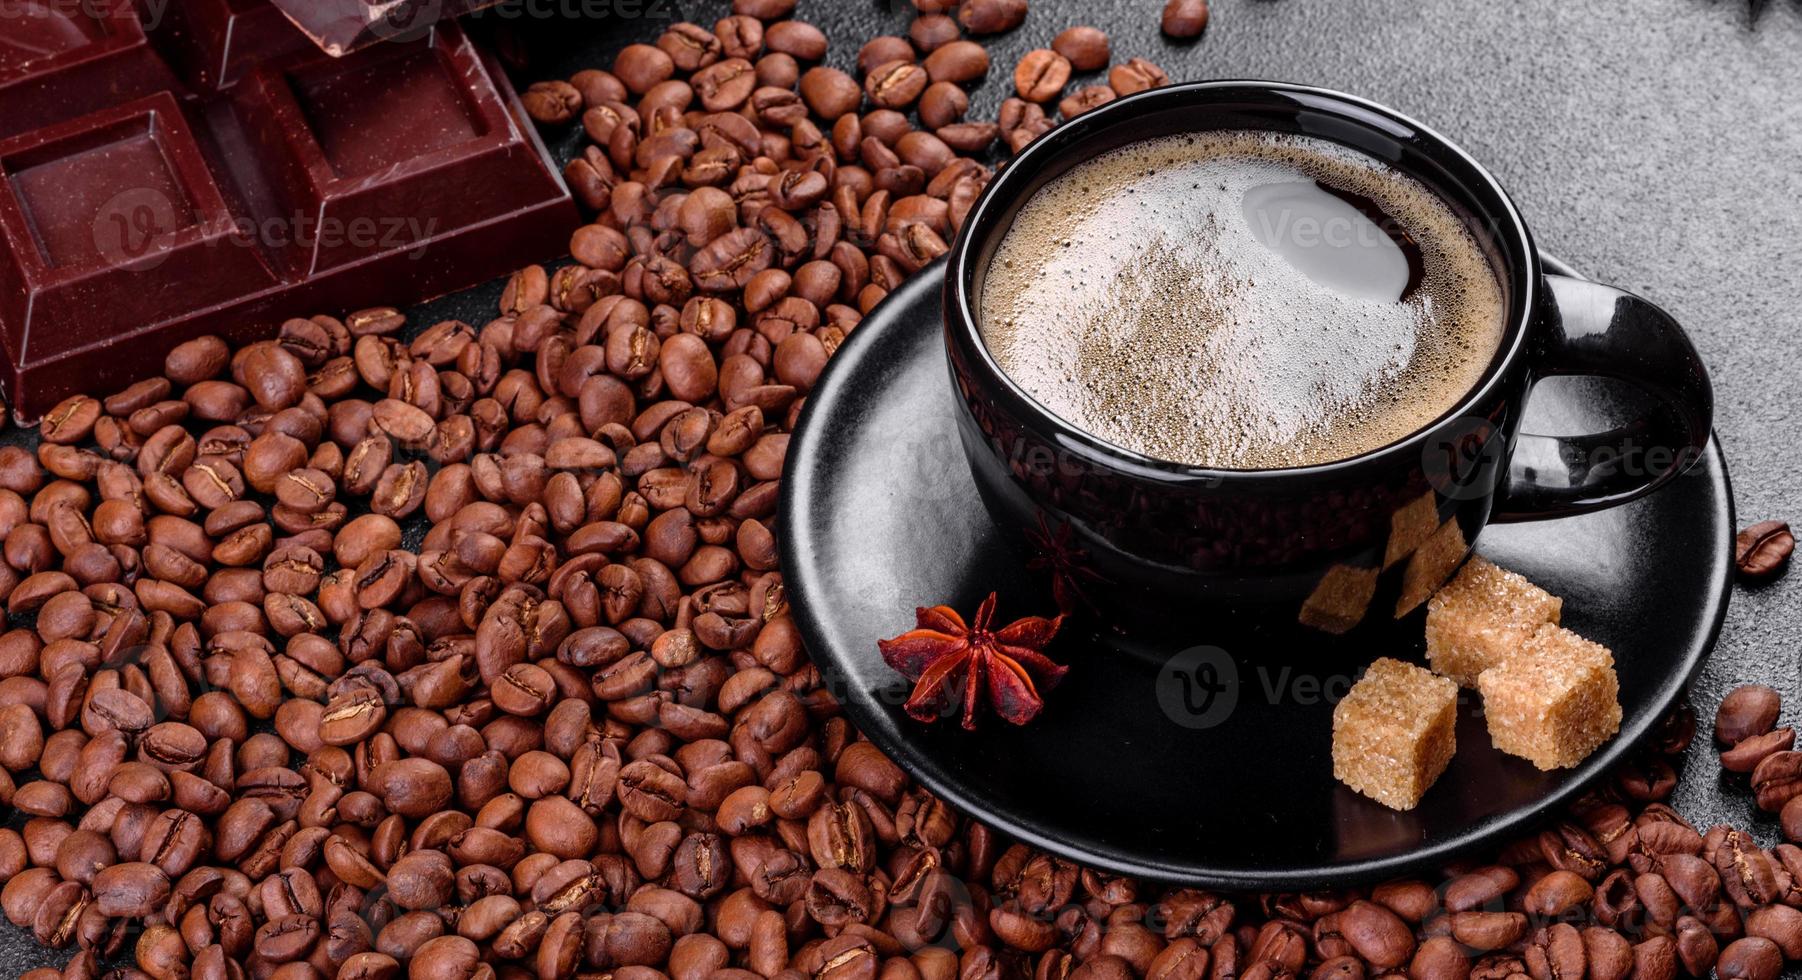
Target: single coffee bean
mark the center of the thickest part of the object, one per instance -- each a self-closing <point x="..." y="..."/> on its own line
<point x="1041" y="75"/>
<point x="1135" y="76"/>
<point x="1085" y="99"/>
<point x="552" y="103"/>
<point x="1790" y="818"/>
<point x="797" y="39"/>
<point x="1609" y="953"/>
<point x="943" y="104"/>
<point x="1487" y="930"/>
<point x="929" y="32"/>
<point x="445" y="958"/>
<point x="690" y="46"/>
<point x="1763" y="550"/>
<point x="1185" y="18"/>
<point x="969" y="138"/>
<point x="197" y="360"/>
<point x="1780" y="924"/>
<point x="1378" y="935"/>
<point x="1438" y="958"/>
<point x="896" y="85"/>
<point x="1750" y="751"/>
<point x="959" y="62"/>
<point x="830" y="93"/>
<point x="1750" y="958"/>
<point x="133" y="890"/>
<point x="1556" y="894"/>
<point x="764" y="9"/>
<point x="1086" y="48"/>
<point x="981" y="17"/>
<point x="640" y="67"/>
<point x="1747" y="710"/>
<point x="1557" y="950"/>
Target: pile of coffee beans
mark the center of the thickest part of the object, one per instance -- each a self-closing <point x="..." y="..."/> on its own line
<point x="463" y="652"/>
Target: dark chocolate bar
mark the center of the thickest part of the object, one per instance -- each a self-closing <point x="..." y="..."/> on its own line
<point x="308" y="184"/>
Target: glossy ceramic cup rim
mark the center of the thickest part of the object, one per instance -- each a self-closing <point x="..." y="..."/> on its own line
<point x="1517" y="265"/>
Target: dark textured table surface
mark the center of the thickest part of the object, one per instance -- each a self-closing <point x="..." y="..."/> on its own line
<point x="1656" y="144"/>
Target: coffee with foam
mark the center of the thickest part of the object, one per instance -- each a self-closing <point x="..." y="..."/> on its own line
<point x="1242" y="300"/>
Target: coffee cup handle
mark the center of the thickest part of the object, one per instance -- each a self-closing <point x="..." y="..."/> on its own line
<point x="1589" y="329"/>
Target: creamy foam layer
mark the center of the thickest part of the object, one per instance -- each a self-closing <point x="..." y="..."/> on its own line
<point x="1171" y="297"/>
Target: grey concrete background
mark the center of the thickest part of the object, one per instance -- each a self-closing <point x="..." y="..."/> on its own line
<point x="1655" y="144"/>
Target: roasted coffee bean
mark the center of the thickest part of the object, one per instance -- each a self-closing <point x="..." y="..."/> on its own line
<point x="197" y="360"/>
<point x="690" y="46"/>
<point x="445" y="958"/>
<point x="1378" y="935"/>
<point x="896" y="85"/>
<point x="1763" y="550"/>
<point x="830" y="93"/>
<point x="1569" y="847"/>
<point x="1487" y="930"/>
<point x="795" y="38"/>
<point x="981" y="17"/>
<point x="1557" y="893"/>
<point x="640" y="67"/>
<point x="959" y="62"/>
<point x="882" y="50"/>
<point x="1135" y="76"/>
<point x="1780" y="924"/>
<point x="1748" y="874"/>
<point x="1749" y="752"/>
<point x="552" y="103"/>
<point x="1185" y="18"/>
<point x="1085" y="99"/>
<point x="1697" y="948"/>
<point x="943" y="104"/>
<point x="1086" y="48"/>
<point x="1041" y="75"/>
<point x="1750" y="958"/>
<point x="1747" y="710"/>
<point x="133" y="889"/>
<point x="1438" y="958"/>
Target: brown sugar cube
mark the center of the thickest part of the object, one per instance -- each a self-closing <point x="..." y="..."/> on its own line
<point x="1338" y="603"/>
<point x="1409" y="526"/>
<point x="1395" y="732"/>
<point x="1432" y="563"/>
<point x="1482" y="617"/>
<point x="1555" y="701"/>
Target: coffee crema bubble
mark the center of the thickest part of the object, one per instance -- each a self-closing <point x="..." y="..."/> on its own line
<point x="1242" y="300"/>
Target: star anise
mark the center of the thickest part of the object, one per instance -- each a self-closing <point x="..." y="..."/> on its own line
<point x="942" y="655"/>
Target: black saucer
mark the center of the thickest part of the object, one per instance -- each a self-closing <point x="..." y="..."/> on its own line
<point x="1153" y="762"/>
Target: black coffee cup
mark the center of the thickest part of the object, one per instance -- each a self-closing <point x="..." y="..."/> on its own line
<point x="1323" y="542"/>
